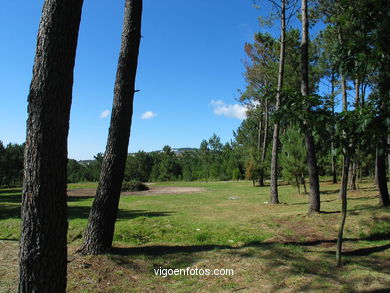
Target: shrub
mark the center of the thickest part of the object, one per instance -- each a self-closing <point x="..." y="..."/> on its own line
<point x="134" y="185"/>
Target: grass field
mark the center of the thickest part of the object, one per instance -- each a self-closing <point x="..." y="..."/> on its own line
<point x="270" y="248"/>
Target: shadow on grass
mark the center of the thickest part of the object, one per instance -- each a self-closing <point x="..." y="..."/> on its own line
<point x="368" y="250"/>
<point x="329" y="191"/>
<point x="82" y="212"/>
<point x="11" y="191"/>
<point x="16" y="198"/>
<point x="8" y="211"/>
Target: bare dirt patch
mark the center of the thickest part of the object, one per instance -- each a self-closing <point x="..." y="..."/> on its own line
<point x="153" y="190"/>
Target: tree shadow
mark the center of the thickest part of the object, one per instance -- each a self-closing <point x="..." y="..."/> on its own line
<point x="367" y="251"/>
<point x="329" y="212"/>
<point x="329" y="191"/>
<point x="11" y="191"/>
<point x="79" y="198"/>
<point x="8" y="211"/>
<point x="17" y="198"/>
<point x="82" y="212"/>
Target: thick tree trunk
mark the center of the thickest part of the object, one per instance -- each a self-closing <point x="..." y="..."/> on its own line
<point x="43" y="252"/>
<point x="382" y="181"/>
<point x="353" y="172"/>
<point x="384" y="93"/>
<point x="344" y="183"/>
<point x="314" y="205"/>
<point x="99" y="233"/>
<point x="274" y="196"/>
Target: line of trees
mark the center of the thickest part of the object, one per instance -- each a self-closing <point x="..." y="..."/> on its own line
<point x="11" y="164"/>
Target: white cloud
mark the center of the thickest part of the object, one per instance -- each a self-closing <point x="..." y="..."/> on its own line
<point x="104" y="114"/>
<point x="232" y="111"/>
<point x="148" y="115"/>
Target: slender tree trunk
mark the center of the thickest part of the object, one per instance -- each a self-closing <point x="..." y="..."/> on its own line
<point x="43" y="252"/>
<point x="334" y="172"/>
<point x="99" y="233"/>
<point x="274" y="196"/>
<point x="297" y="183"/>
<point x="303" y="183"/>
<point x="261" y="177"/>
<point x="345" y="106"/>
<point x="265" y="139"/>
<point x="314" y="205"/>
<point x="265" y="143"/>
<point x="344" y="183"/>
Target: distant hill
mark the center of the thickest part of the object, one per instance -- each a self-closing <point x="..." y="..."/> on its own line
<point x="177" y="151"/>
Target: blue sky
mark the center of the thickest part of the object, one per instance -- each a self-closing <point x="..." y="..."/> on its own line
<point x="190" y="68"/>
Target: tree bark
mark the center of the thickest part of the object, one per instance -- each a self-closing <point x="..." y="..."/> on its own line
<point x="344" y="183"/>
<point x="314" y="205"/>
<point x="43" y="252"/>
<point x="274" y="196"/>
<point x="99" y="233"/>
<point x="384" y="93"/>
<point x="382" y="181"/>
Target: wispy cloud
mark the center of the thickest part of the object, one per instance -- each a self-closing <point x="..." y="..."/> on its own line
<point x="229" y="110"/>
<point x="148" y="115"/>
<point x="104" y="114"/>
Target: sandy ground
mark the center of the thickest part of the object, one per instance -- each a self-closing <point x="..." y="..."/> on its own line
<point x="154" y="190"/>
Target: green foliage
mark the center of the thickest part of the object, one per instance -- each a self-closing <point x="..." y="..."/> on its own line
<point x="11" y="164"/>
<point x="134" y="185"/>
<point x="293" y="155"/>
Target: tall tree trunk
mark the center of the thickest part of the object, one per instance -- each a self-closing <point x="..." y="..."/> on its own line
<point x="99" y="233"/>
<point x="345" y="106"/>
<point x="261" y="177"/>
<point x="274" y="196"/>
<point x="265" y="143"/>
<point x="334" y="172"/>
<point x="314" y="205"/>
<point x="384" y="93"/>
<point x="344" y="183"/>
<point x="43" y="252"/>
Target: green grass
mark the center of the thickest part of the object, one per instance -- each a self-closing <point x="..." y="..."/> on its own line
<point x="270" y="247"/>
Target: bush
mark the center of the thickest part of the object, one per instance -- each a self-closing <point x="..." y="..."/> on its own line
<point x="134" y="185"/>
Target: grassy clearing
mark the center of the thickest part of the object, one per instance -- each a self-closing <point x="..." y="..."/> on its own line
<point x="270" y="248"/>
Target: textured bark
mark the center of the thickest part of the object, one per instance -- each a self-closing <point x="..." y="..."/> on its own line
<point x="100" y="230"/>
<point x="344" y="182"/>
<point x="314" y="205"/>
<point x="384" y="93"/>
<point x="382" y="182"/>
<point x="43" y="252"/>
<point x="274" y="196"/>
<point x="353" y="176"/>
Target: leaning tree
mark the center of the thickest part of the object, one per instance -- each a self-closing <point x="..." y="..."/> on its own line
<point x="100" y="230"/>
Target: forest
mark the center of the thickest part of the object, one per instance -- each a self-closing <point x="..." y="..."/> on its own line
<point x="303" y="184"/>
